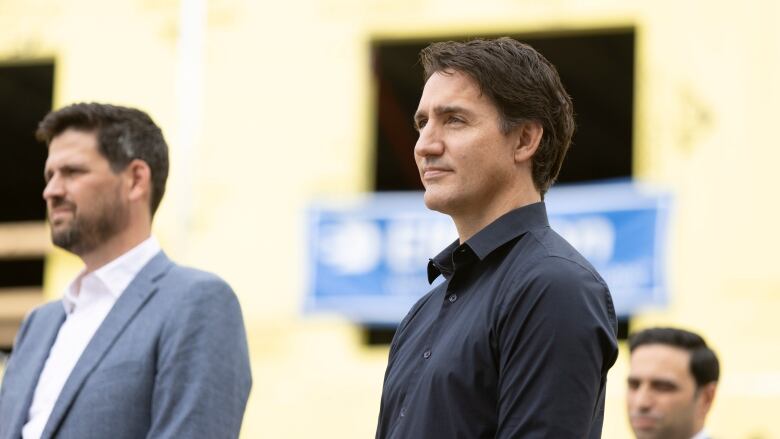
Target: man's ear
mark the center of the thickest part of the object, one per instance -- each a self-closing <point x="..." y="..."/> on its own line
<point x="707" y="395"/>
<point x="529" y="135"/>
<point x="139" y="179"/>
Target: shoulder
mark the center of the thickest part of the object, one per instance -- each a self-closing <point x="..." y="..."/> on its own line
<point x="48" y="309"/>
<point x="183" y="292"/>
<point x="193" y="275"/>
<point x="551" y="275"/>
<point x="557" y="294"/>
<point x="163" y="270"/>
<point x="192" y="281"/>
<point x="39" y="320"/>
<point x="193" y="297"/>
<point x="45" y="314"/>
<point x="559" y="260"/>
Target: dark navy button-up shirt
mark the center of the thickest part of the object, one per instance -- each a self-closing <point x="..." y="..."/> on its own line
<point x="515" y="343"/>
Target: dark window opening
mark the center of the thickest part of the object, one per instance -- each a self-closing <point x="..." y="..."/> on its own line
<point x="378" y="335"/>
<point x="21" y="273"/>
<point x="623" y="327"/>
<point x="25" y="97"/>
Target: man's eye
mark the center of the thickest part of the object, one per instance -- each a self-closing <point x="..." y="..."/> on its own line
<point x="665" y="387"/>
<point x="453" y="119"/>
<point x="72" y="171"/>
<point x="420" y="124"/>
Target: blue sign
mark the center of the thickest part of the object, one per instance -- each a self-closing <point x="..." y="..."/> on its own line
<point x="368" y="256"/>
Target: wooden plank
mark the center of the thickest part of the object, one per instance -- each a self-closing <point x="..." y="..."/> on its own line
<point x="7" y="333"/>
<point x="25" y="239"/>
<point x="15" y="303"/>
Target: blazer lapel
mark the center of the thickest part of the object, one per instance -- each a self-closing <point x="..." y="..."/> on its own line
<point x="28" y="364"/>
<point x="125" y="308"/>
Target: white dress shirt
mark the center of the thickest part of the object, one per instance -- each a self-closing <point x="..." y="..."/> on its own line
<point x="701" y="435"/>
<point x="87" y="301"/>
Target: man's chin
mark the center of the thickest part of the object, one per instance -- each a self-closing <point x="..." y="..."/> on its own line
<point x="59" y="222"/>
<point x="435" y="201"/>
<point x="63" y="237"/>
<point x="645" y="429"/>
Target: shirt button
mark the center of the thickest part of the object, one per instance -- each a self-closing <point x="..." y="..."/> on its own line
<point x="403" y="411"/>
<point x="453" y="297"/>
<point x="427" y="354"/>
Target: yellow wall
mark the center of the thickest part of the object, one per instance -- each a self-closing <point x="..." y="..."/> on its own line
<point x="286" y="115"/>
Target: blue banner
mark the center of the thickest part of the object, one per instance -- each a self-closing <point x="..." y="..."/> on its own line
<point x="368" y="256"/>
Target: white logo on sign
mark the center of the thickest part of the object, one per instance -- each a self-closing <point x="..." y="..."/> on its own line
<point x="351" y="247"/>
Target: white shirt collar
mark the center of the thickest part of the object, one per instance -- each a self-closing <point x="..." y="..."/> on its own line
<point x="700" y="435"/>
<point x="114" y="276"/>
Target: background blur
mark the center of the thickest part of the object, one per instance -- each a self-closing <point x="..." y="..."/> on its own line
<point x="268" y="105"/>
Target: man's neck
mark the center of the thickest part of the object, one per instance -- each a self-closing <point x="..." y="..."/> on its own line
<point x="469" y="223"/>
<point x="115" y="247"/>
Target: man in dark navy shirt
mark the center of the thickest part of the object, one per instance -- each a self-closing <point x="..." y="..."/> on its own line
<point x="517" y="340"/>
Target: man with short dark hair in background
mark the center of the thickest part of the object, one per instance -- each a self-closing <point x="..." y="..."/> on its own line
<point x="671" y="384"/>
<point x="138" y="346"/>
<point x="517" y="340"/>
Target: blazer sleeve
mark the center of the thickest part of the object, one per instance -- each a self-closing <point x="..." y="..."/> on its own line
<point x="20" y="334"/>
<point x="203" y="374"/>
<point x="556" y="341"/>
<point x="18" y="340"/>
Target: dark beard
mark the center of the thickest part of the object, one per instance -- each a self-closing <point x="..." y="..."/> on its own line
<point x="84" y="236"/>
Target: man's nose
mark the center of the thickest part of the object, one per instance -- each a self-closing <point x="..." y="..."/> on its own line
<point x="642" y="398"/>
<point x="53" y="188"/>
<point x="430" y="142"/>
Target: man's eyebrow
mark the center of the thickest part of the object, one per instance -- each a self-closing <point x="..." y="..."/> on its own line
<point x="447" y="109"/>
<point x="661" y="381"/>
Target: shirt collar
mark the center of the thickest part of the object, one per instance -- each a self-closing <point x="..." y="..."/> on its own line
<point x="117" y="274"/>
<point x="700" y="435"/>
<point x="506" y="228"/>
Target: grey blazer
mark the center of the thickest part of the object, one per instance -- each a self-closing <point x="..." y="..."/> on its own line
<point x="169" y="361"/>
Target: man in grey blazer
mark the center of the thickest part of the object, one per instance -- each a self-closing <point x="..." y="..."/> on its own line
<point x="137" y="346"/>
